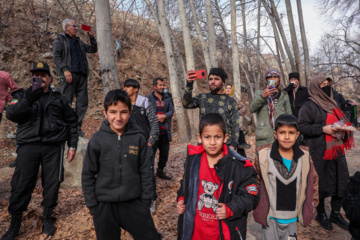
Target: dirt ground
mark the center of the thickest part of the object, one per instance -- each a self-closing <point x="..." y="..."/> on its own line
<point x="73" y="220"/>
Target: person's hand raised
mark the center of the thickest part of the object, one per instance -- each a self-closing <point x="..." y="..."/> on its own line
<point x="268" y="92"/>
<point x="190" y="76"/>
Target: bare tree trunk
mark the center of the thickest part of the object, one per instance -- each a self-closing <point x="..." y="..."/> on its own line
<point x="298" y="64"/>
<point x="200" y="36"/>
<point x="190" y="64"/>
<point x="257" y="80"/>
<point x="211" y="30"/>
<point x="272" y="12"/>
<point x="304" y="42"/>
<point x="221" y="22"/>
<point x="109" y="73"/>
<point x="180" y="116"/>
<point x="235" y="50"/>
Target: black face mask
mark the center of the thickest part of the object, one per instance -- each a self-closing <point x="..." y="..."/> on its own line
<point x="326" y="90"/>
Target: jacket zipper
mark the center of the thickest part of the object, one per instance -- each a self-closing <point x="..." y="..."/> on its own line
<point x="120" y="167"/>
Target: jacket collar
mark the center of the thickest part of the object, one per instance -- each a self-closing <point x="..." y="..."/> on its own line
<point x="193" y="150"/>
<point x="276" y="155"/>
<point x="165" y="96"/>
<point x="130" y="128"/>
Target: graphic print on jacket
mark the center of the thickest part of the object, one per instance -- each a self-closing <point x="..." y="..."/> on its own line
<point x="207" y="199"/>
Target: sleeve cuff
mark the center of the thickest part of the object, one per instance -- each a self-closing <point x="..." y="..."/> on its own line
<point x="189" y="86"/>
<point x="229" y="212"/>
<point x="93" y="209"/>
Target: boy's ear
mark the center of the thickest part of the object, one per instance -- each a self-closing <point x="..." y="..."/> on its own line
<point x="104" y="111"/>
<point x="297" y="134"/>
<point x="275" y="136"/>
<point x="199" y="138"/>
<point x="226" y="137"/>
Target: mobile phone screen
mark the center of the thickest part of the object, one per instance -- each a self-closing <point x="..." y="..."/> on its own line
<point x="36" y="83"/>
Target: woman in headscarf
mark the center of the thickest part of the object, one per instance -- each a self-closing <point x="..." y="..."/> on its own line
<point x="316" y="119"/>
<point x="230" y="91"/>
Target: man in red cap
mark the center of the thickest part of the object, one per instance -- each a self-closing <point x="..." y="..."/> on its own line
<point x="268" y="104"/>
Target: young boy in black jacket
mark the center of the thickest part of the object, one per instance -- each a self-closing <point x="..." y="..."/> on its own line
<point x="116" y="176"/>
<point x="218" y="188"/>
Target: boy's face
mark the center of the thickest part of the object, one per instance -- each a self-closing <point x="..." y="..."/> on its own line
<point x="286" y="136"/>
<point x="212" y="138"/>
<point x="118" y="115"/>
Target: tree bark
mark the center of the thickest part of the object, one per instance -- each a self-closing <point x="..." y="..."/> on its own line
<point x="298" y="64"/>
<point x="257" y="80"/>
<point x="200" y="36"/>
<point x="211" y="31"/>
<point x="190" y="64"/>
<point x="304" y="42"/>
<point x="109" y="73"/>
<point x="235" y="50"/>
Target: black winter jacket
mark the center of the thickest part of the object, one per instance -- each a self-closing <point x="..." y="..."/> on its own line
<point x="238" y="178"/>
<point x="62" y="55"/>
<point x="301" y="97"/>
<point x="351" y="205"/>
<point x="333" y="174"/>
<point x="50" y="122"/>
<point x="116" y="168"/>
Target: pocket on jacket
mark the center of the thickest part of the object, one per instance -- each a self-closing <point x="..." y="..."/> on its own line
<point x="263" y="131"/>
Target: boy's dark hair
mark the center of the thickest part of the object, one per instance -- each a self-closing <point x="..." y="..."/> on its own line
<point x="156" y="81"/>
<point x="286" y="120"/>
<point x="211" y="119"/>
<point x="132" y="83"/>
<point x="115" y="96"/>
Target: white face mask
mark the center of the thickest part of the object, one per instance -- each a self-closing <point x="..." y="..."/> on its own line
<point x="166" y="91"/>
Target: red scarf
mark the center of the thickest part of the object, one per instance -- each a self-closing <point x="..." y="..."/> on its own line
<point x="333" y="146"/>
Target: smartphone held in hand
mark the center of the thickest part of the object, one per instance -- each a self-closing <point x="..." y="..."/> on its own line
<point x="271" y="83"/>
<point x="36" y="83"/>
<point x="200" y="74"/>
<point x="85" y="27"/>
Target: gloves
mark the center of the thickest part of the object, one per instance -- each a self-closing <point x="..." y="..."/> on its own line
<point x="33" y="96"/>
<point x="146" y="202"/>
<point x="291" y="87"/>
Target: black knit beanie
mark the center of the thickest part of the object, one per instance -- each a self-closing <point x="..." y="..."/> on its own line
<point x="294" y="75"/>
<point x="219" y="72"/>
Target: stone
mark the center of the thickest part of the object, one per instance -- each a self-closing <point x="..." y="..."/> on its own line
<point x="72" y="173"/>
<point x="47" y="55"/>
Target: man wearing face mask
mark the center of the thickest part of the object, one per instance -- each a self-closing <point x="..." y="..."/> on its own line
<point x="268" y="104"/>
<point x="298" y="94"/>
<point x="215" y="102"/>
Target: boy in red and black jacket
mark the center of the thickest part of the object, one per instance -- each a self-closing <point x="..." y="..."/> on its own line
<point x="218" y="188"/>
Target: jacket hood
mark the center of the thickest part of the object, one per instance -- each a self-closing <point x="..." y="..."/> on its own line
<point x="130" y="128"/>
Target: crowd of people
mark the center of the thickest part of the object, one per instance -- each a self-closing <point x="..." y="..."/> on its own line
<point x="283" y="186"/>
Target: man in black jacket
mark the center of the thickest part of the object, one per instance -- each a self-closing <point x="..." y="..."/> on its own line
<point x="45" y="122"/>
<point x="69" y="54"/>
<point x="298" y="95"/>
<point x="164" y="109"/>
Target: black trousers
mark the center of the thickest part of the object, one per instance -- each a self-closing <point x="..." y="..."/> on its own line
<point x="152" y="164"/>
<point x="28" y="161"/>
<point x="131" y="215"/>
<point x="241" y="141"/>
<point x="77" y="88"/>
<point x="335" y="204"/>
<point x="163" y="145"/>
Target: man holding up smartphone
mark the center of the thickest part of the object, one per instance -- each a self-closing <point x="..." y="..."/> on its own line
<point x="298" y="95"/>
<point x="214" y="102"/>
<point x="45" y="122"/>
<point x="69" y="54"/>
<point x="268" y="104"/>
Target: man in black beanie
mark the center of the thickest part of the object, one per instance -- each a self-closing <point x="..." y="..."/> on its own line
<point x="298" y="95"/>
<point x="214" y="102"/>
